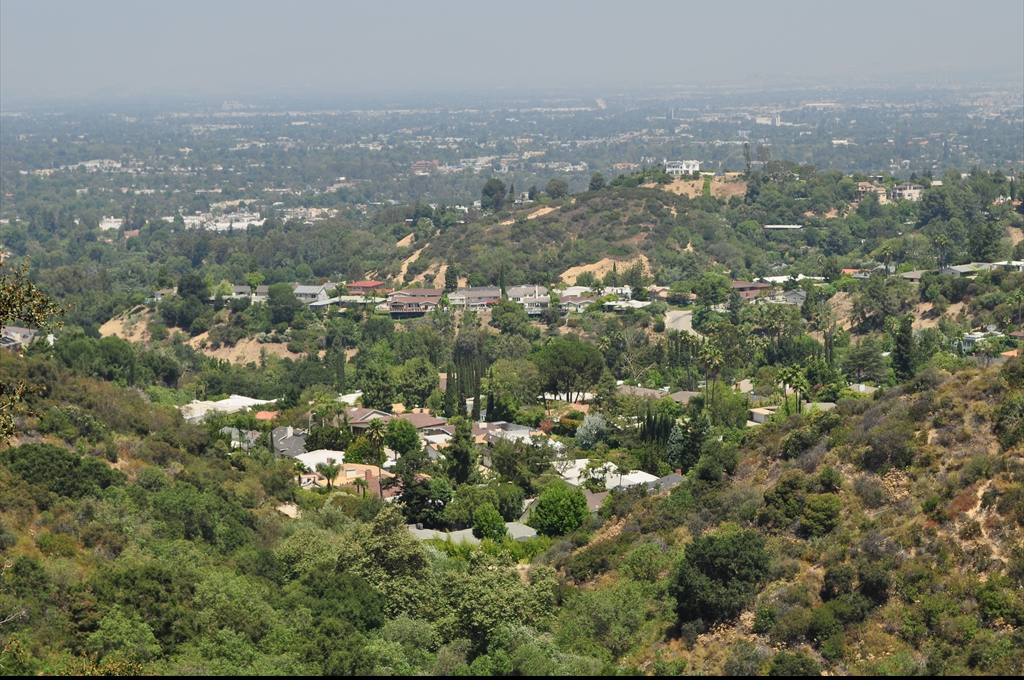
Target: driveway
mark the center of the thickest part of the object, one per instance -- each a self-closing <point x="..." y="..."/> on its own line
<point x="680" y="321"/>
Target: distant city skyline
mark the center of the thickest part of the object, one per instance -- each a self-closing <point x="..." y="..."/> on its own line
<point x="61" y="50"/>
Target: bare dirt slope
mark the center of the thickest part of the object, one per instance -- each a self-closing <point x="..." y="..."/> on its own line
<point x="721" y="187"/>
<point x="131" y="326"/>
<point x="1016" y="235"/>
<point x="407" y="241"/>
<point x="245" y="351"/>
<point x="601" y="267"/>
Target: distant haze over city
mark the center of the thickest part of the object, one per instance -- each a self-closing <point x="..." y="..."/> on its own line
<point x="159" y="52"/>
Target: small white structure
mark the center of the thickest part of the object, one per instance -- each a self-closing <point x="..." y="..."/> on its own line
<point x="574" y="473"/>
<point x="681" y="167"/>
<point x="783" y="226"/>
<point x="314" y="458"/>
<point x="197" y="410"/>
<point x="110" y="223"/>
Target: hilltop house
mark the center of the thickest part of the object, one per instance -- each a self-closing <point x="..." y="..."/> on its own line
<point x="681" y="167"/>
<point x="907" y="192"/>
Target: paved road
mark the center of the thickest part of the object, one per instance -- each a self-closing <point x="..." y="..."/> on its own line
<point x="679" y="321"/>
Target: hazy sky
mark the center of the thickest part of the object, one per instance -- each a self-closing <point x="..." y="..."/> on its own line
<point x="105" y="48"/>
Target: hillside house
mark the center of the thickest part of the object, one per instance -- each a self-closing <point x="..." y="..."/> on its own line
<point x="519" y="293"/>
<point x="308" y="294"/>
<point x="865" y="188"/>
<point x="364" y="287"/>
<point x="475" y="297"/>
<point x="914" y="276"/>
<point x="749" y="290"/>
<point x="573" y="303"/>
<point x="288" y="442"/>
<point x="907" y="192"/>
<point x="16" y="337"/>
<point x="413" y="302"/>
<point x="681" y="167"/>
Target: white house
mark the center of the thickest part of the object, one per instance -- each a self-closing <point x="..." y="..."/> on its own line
<point x="681" y="167"/>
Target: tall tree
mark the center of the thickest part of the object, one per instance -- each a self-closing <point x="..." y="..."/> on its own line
<point x="461" y="452"/>
<point x="557" y="188"/>
<point x="569" y="366"/>
<point x="378" y="381"/>
<point x="904" y="355"/>
<point x="451" y="278"/>
<point x="492" y="197"/>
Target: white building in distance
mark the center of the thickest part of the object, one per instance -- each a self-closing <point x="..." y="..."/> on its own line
<point x="681" y="167"/>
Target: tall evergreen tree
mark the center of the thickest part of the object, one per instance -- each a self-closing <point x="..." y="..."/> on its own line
<point x="451" y="391"/>
<point x="451" y="278"/>
<point x="905" y="350"/>
<point x="461" y="452"/>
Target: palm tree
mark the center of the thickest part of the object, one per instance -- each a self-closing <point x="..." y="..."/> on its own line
<point x="361" y="484"/>
<point x="886" y="252"/>
<point x="711" y="359"/>
<point x="802" y="388"/>
<point x="330" y="471"/>
<point x="1018" y="297"/>
<point x="375" y="432"/>
<point x="941" y="242"/>
<point x="783" y="378"/>
<point x="793" y="377"/>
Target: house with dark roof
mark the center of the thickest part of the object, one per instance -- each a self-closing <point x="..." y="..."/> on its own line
<point x="749" y="290"/>
<point x="642" y="392"/>
<point x="475" y="297"/>
<point x="288" y="442"/>
<point x="683" y="396"/>
<point x="413" y="302"/>
<point x="308" y="294"/>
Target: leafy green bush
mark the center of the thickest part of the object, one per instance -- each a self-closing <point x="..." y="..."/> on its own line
<point x="821" y="513"/>
<point x="56" y="545"/>
<point x="786" y="664"/>
<point x="560" y="510"/>
<point x="719" y="575"/>
<point x="488" y="523"/>
<point x="60" y="471"/>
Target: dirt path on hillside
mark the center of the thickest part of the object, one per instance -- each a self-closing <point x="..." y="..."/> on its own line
<point x="602" y="267"/>
<point x="1016" y="235"/>
<point x="406" y="242"/>
<point x="532" y="216"/>
<point x="973" y="515"/>
<point x="409" y="260"/>
<point x="540" y="212"/>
